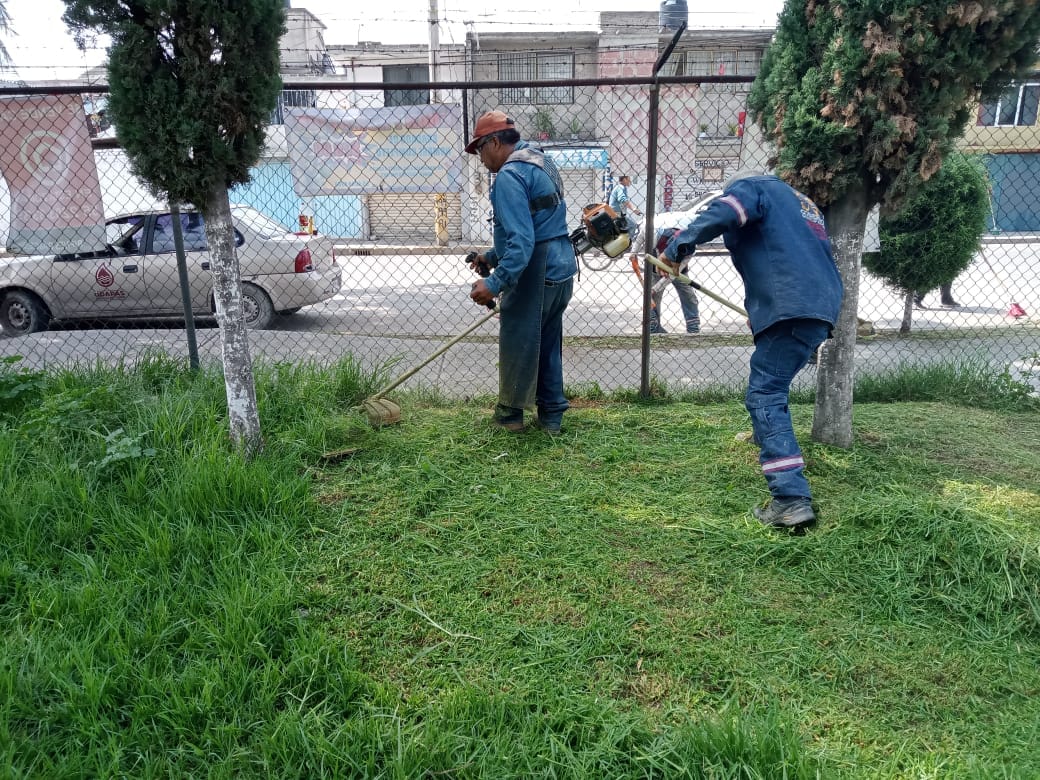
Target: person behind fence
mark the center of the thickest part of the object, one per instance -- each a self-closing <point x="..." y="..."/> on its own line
<point x="621" y="204"/>
<point x="530" y="269"/>
<point x="778" y="242"/>
<point x="687" y="295"/>
<point x="945" y="297"/>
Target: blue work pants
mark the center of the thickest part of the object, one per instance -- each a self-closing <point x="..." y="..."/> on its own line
<point x="781" y="351"/>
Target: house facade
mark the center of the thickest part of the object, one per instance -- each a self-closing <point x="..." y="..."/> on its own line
<point x="1006" y="133"/>
<point x="409" y="216"/>
<point x="562" y="120"/>
<point x="703" y="135"/>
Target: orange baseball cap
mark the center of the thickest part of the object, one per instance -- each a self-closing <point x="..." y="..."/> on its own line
<point x="489" y="123"/>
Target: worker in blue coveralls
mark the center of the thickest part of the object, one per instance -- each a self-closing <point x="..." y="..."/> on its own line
<point x="530" y="269"/>
<point x="778" y="242"/>
<point x="687" y="295"/>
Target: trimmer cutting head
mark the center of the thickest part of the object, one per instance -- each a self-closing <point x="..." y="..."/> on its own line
<point x="381" y="412"/>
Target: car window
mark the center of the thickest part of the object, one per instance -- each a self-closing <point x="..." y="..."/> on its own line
<point x="261" y="224"/>
<point x="125" y="233"/>
<point x="193" y="230"/>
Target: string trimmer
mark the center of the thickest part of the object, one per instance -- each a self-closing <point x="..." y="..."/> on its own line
<point x="380" y="411"/>
<point x="662" y="265"/>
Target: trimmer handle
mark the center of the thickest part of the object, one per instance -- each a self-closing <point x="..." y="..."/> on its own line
<point x="482" y="268"/>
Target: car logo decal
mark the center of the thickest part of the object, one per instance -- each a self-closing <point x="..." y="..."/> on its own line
<point x="104" y="276"/>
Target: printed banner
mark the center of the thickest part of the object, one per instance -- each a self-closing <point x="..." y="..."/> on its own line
<point x="368" y="150"/>
<point x="48" y="165"/>
<point x="580" y="158"/>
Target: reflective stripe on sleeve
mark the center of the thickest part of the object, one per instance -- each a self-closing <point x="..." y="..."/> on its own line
<point x="736" y="205"/>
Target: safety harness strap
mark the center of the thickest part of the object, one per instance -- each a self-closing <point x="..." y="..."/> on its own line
<point x="545" y="202"/>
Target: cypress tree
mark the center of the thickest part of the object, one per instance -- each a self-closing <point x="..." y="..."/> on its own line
<point x="863" y="100"/>
<point x="936" y="234"/>
<point x="192" y="85"/>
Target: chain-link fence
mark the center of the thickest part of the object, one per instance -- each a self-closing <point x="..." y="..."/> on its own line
<point x="352" y="235"/>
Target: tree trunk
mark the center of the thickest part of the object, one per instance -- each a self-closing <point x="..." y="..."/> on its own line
<point x="832" y="415"/>
<point x="243" y="415"/>
<point x="908" y="313"/>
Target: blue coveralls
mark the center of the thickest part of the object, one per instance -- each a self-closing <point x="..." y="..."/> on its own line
<point x="534" y="267"/>
<point x="778" y="242"/>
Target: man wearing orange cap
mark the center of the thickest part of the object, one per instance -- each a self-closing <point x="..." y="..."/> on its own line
<point x="530" y="269"/>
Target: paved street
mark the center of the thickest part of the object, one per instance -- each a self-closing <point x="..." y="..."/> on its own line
<point x="395" y="308"/>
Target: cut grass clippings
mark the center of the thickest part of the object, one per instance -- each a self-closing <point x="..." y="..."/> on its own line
<point x="453" y="600"/>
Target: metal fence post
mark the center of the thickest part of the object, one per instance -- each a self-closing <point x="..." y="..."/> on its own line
<point x="649" y="240"/>
<point x="182" y="273"/>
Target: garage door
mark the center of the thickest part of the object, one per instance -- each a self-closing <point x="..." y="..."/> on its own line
<point x="410" y="217"/>
<point x="580" y="186"/>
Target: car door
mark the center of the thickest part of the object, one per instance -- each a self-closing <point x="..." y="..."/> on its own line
<point x="161" y="259"/>
<point x="105" y="284"/>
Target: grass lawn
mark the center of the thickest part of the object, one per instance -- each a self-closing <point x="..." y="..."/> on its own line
<point x="442" y="599"/>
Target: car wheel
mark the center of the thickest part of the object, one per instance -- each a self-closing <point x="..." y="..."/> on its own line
<point x="256" y="306"/>
<point x="21" y="313"/>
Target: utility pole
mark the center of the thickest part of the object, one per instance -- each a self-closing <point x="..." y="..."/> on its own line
<point x="435" y="51"/>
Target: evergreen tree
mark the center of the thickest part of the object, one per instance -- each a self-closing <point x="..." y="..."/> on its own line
<point x="863" y="99"/>
<point x="936" y="234"/>
<point x="192" y="85"/>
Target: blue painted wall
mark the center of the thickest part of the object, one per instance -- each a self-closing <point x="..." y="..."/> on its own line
<point x="1016" y="197"/>
<point x="271" y="192"/>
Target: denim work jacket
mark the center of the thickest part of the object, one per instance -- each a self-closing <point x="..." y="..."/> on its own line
<point x="778" y="242"/>
<point x="520" y="191"/>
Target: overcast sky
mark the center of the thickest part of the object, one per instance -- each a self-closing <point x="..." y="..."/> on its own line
<point x="42" y="49"/>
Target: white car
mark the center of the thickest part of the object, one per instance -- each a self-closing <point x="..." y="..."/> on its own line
<point x="683" y="214"/>
<point x="136" y="275"/>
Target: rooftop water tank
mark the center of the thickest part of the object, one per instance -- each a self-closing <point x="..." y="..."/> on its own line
<point x="673" y="14"/>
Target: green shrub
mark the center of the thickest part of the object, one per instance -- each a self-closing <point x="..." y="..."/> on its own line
<point x="936" y="235"/>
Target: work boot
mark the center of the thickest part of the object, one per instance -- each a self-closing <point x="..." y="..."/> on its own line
<point x="950" y="303"/>
<point x="788" y="513"/>
<point x="656" y="328"/>
<point x="511" y="426"/>
<point x="548" y="425"/>
<point x="919" y="302"/>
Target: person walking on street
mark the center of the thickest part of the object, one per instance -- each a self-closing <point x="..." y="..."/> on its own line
<point x="778" y="243"/>
<point x="687" y="295"/>
<point x="530" y="269"/>
<point x="945" y="297"/>
<point x="622" y="206"/>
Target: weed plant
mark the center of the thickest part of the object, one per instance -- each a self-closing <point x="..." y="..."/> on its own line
<point x="442" y="599"/>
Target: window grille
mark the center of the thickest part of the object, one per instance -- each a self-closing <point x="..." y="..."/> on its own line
<point x="406" y="74"/>
<point x="532" y="66"/>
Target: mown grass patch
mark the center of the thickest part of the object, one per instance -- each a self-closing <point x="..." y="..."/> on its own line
<point x="447" y="599"/>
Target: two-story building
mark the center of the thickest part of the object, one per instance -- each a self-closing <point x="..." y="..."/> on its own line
<point x="563" y="120"/>
<point x="703" y="135"/>
<point x="402" y="216"/>
<point x="1006" y="132"/>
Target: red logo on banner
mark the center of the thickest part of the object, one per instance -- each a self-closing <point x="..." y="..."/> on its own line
<point x="104" y="276"/>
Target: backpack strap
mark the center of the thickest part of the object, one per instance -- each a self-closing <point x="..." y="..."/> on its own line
<point x="537" y="158"/>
